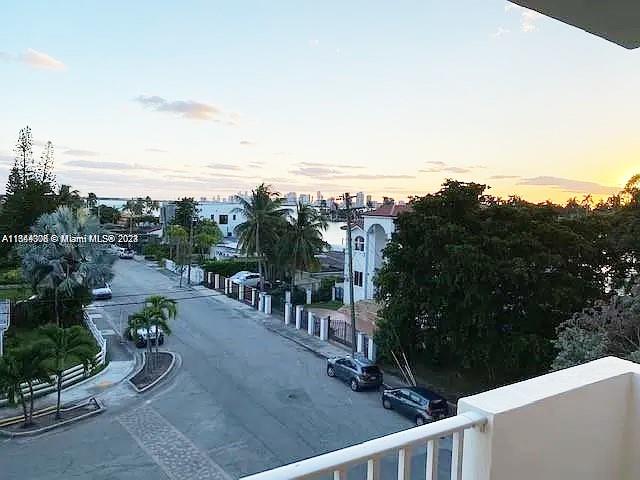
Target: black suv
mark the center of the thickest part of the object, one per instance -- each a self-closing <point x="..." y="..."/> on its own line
<point x="358" y="372"/>
<point x="417" y="403"/>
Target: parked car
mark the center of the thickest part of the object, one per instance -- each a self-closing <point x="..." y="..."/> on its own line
<point x="141" y="335"/>
<point x="358" y="372"/>
<point x="101" y="293"/>
<point x="416" y="403"/>
<point x="127" y="254"/>
<point x="248" y="279"/>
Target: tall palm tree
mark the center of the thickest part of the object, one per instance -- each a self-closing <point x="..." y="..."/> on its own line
<point x="144" y="319"/>
<point x="64" y="268"/>
<point x="264" y="217"/>
<point x="303" y="239"/>
<point x="64" y="345"/>
<point x="69" y="198"/>
<point x="92" y="200"/>
<point x="25" y="364"/>
<point x="163" y="309"/>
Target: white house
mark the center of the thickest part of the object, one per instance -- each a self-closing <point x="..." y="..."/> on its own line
<point x="368" y="240"/>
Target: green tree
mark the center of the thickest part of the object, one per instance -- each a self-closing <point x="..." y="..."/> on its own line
<point x="176" y="235"/>
<point x="65" y="269"/>
<point x="106" y="214"/>
<point x="264" y="220"/>
<point x="206" y="235"/>
<point x="92" y="200"/>
<point x="163" y="310"/>
<point x="144" y="319"/>
<point x="66" y="197"/>
<point x="186" y="213"/>
<point x="64" y="346"/>
<point x="480" y="283"/>
<point x="25" y="364"/>
<point x="302" y="240"/>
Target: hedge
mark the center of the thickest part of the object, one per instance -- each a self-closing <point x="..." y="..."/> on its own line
<point x="226" y="268"/>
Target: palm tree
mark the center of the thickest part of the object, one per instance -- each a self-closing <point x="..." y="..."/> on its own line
<point x="175" y="235"/>
<point x="24" y="365"/>
<point x="92" y="200"/>
<point x="303" y="239"/>
<point x="144" y="319"/>
<point x="64" y="268"/>
<point x="163" y="309"/>
<point x="69" y="198"/>
<point x="264" y="217"/>
<point x="64" y="345"/>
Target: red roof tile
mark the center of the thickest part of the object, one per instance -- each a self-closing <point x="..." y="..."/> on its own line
<point x="390" y="210"/>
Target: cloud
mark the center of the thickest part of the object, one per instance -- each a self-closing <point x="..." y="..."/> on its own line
<point x="223" y="166"/>
<point x="183" y="108"/>
<point x="569" y="185"/>
<point x="528" y="18"/>
<point x="80" y="153"/>
<point x="500" y="32"/>
<point x="331" y="174"/>
<point x="330" y="165"/>
<point x="100" y="165"/>
<point x="247" y="142"/>
<point x="503" y="177"/>
<point x="155" y="150"/>
<point x="314" y="171"/>
<point x="6" y="159"/>
<point x="35" y="59"/>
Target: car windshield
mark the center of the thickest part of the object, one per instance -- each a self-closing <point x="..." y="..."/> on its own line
<point x="371" y="370"/>
<point x="437" y="404"/>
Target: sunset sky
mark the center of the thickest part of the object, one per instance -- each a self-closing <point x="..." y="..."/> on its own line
<point x="204" y="98"/>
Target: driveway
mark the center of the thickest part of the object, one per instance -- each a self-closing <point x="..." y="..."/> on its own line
<point x="244" y="400"/>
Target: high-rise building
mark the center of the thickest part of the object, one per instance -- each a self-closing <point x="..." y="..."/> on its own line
<point x="368" y="200"/>
<point x="319" y="197"/>
<point x="292" y="197"/>
<point x="304" y="198"/>
<point x="359" y="199"/>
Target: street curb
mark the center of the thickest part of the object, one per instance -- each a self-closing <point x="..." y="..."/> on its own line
<point x="30" y="433"/>
<point x="157" y="380"/>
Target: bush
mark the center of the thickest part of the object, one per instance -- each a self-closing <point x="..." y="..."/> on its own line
<point x="324" y="292"/>
<point x="155" y="251"/>
<point x="11" y="276"/>
<point x="226" y="268"/>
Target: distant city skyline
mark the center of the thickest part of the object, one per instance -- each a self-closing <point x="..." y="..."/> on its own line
<point x="382" y="98"/>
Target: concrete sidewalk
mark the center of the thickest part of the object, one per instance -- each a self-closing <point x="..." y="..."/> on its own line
<point x="114" y="373"/>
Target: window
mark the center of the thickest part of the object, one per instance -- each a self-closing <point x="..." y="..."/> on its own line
<point x="359" y="244"/>
<point x="213" y="217"/>
<point x="234" y="217"/>
<point x="357" y="279"/>
<point x="223" y="219"/>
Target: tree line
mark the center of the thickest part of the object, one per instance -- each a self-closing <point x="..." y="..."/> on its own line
<point x="481" y="284"/>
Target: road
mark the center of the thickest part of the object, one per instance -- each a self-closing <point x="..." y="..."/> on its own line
<point x="243" y="400"/>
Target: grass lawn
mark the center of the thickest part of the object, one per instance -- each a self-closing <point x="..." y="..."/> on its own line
<point x="330" y="305"/>
<point x="20" y="293"/>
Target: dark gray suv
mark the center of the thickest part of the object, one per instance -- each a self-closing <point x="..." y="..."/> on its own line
<point x="358" y="372"/>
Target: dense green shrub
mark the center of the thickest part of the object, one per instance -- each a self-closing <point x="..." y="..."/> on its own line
<point x="227" y="268"/>
<point x="155" y="251"/>
<point x="11" y="276"/>
<point x="324" y="292"/>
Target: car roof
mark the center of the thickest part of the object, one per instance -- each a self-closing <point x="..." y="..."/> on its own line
<point x="424" y="392"/>
<point x="363" y="361"/>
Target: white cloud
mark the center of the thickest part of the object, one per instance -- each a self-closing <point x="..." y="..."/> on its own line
<point x="34" y="59"/>
<point x="500" y="32"/>
<point x="570" y="185"/>
<point x="184" y="108"/>
<point x="37" y="59"/>
<point x="528" y="18"/>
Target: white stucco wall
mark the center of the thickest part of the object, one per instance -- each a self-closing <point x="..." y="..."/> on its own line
<point x="359" y="264"/>
<point x="579" y="423"/>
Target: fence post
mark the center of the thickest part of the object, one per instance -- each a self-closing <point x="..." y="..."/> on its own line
<point x="226" y="286"/>
<point x="267" y="304"/>
<point x="216" y="281"/>
<point x="253" y="297"/>
<point x="209" y="278"/>
<point x="308" y="296"/>
<point x="372" y="350"/>
<point x="310" y="323"/>
<point x="324" y="328"/>
<point x="261" y="302"/>
<point x="333" y="294"/>
<point x="360" y="342"/>
<point x="299" y="316"/>
<point x="241" y="293"/>
<point x="287" y="296"/>
<point x="287" y="313"/>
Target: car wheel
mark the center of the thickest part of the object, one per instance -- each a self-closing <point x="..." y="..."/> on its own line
<point x="420" y="420"/>
<point x="354" y="385"/>
<point x="386" y="404"/>
<point x="331" y="372"/>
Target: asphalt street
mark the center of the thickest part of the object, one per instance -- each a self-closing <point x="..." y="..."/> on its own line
<point x="243" y="400"/>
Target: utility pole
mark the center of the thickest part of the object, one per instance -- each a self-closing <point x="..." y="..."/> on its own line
<point x="347" y="203"/>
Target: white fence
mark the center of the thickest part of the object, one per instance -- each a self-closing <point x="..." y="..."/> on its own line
<point x="71" y="375"/>
<point x="370" y="453"/>
<point x="197" y="274"/>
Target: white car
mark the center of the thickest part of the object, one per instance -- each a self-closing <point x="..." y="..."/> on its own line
<point x="102" y="293"/>
<point x="126" y="254"/>
<point x="249" y="279"/>
<point x="141" y="336"/>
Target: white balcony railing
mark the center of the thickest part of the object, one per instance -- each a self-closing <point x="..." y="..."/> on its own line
<point x="371" y="452"/>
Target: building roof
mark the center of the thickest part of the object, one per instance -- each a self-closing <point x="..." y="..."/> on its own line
<point x="388" y="210"/>
<point x="615" y="20"/>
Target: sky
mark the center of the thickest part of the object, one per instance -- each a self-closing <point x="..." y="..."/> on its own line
<point x="207" y="98"/>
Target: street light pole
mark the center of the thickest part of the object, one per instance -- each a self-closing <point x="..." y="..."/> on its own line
<point x="347" y="202"/>
<point x="190" y="249"/>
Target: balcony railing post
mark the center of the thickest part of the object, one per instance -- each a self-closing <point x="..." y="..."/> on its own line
<point x="404" y="463"/>
<point x="432" y="459"/>
<point x="456" y="455"/>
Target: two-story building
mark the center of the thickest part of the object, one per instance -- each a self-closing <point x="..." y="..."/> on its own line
<point x="369" y="237"/>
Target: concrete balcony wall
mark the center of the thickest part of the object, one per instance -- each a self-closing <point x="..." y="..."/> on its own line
<point x="579" y="423"/>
